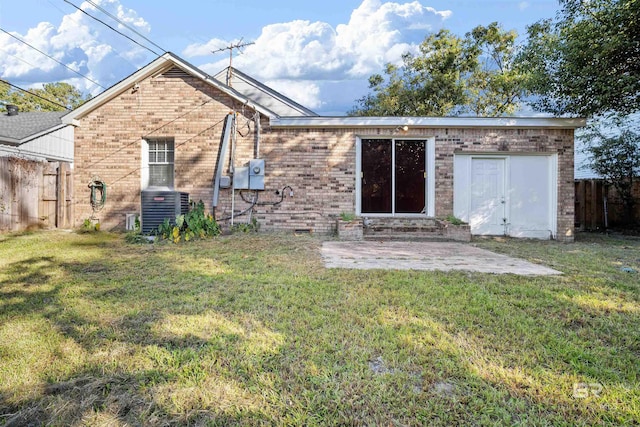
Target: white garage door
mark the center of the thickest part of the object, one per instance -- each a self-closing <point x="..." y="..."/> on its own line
<point x="514" y="195"/>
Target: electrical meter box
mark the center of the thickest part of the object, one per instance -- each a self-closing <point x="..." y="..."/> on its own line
<point x="256" y="174"/>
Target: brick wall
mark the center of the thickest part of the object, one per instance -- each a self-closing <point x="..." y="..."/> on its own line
<point x="109" y="142"/>
<point x="318" y="164"/>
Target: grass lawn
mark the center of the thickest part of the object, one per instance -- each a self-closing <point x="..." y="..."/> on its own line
<point x="253" y="330"/>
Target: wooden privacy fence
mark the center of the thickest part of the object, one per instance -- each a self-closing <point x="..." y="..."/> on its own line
<point x="35" y="194"/>
<point x="598" y="205"/>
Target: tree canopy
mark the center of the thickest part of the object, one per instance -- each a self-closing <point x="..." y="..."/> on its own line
<point x="450" y="75"/>
<point x="60" y="93"/>
<point x="586" y="62"/>
<point x="614" y="149"/>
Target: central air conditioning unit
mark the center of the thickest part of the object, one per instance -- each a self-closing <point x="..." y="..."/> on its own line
<point x="160" y="204"/>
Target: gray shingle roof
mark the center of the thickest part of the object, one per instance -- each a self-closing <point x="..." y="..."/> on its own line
<point x="15" y="129"/>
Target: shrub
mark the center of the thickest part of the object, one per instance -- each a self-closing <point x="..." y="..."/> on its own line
<point x="195" y="224"/>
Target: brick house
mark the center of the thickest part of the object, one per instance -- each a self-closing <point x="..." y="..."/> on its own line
<point x="248" y="151"/>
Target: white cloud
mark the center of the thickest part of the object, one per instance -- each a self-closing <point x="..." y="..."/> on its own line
<point x="80" y="43"/>
<point x="205" y="49"/>
<point x="303" y="92"/>
<point x="318" y="65"/>
<point x="377" y="33"/>
<point x="523" y="5"/>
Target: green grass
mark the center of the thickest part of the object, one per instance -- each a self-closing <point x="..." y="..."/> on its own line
<point x="253" y="330"/>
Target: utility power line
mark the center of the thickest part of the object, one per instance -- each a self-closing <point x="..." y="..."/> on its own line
<point x="52" y="58"/>
<point x="35" y="94"/>
<point x="73" y="18"/>
<point x="113" y="29"/>
<point x="115" y="18"/>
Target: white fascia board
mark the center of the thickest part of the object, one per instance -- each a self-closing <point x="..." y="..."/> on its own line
<point x="5" y="140"/>
<point x="42" y="133"/>
<point x="427" y="122"/>
<point x="159" y="65"/>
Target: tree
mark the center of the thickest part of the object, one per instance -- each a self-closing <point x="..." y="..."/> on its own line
<point x="586" y="62"/>
<point x="60" y="93"/>
<point x="614" y="148"/>
<point x="450" y="75"/>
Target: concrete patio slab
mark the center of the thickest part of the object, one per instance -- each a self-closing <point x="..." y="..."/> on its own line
<point x="443" y="256"/>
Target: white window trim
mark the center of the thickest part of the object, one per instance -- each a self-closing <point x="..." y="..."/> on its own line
<point x="144" y="166"/>
<point x="430" y="186"/>
<point x="553" y="184"/>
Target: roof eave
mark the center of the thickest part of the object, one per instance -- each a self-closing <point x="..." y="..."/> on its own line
<point x="42" y="133"/>
<point x="9" y="141"/>
<point x="159" y="65"/>
<point x="427" y="122"/>
<point x="279" y="96"/>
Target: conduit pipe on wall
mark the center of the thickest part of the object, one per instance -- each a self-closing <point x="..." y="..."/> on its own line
<point x="224" y="144"/>
<point x="256" y="119"/>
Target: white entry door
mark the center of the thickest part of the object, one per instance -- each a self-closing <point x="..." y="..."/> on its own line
<point x="487" y="196"/>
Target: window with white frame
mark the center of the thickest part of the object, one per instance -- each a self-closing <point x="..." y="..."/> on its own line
<point x="396" y="176"/>
<point x="160" y="163"/>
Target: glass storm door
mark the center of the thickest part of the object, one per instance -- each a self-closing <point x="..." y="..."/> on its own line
<point x="393" y="176"/>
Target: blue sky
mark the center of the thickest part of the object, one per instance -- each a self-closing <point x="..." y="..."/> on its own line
<point x="318" y="53"/>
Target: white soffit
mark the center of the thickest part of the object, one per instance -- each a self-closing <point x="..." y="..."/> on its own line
<point x="428" y="122"/>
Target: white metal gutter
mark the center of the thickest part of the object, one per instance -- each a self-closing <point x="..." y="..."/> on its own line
<point x="427" y="122"/>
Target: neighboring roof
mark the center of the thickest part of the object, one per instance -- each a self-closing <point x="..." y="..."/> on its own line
<point x="581" y="162"/>
<point x="159" y="65"/>
<point x="25" y="126"/>
<point x="427" y="122"/>
<point x="262" y="94"/>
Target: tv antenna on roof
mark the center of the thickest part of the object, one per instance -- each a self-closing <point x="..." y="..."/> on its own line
<point x="230" y="48"/>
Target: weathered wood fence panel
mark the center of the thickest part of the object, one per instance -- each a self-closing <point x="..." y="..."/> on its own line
<point x="35" y="194"/>
<point x="598" y="205"/>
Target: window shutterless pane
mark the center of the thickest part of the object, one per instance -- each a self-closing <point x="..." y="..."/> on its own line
<point x="161" y="175"/>
<point x="410" y="176"/>
<point x="376" y="176"/>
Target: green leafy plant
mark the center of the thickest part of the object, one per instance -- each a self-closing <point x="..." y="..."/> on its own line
<point x="135" y="237"/>
<point x="165" y="229"/>
<point x="253" y="226"/>
<point x="453" y="220"/>
<point x="89" y="226"/>
<point x="347" y="216"/>
<point x="194" y="224"/>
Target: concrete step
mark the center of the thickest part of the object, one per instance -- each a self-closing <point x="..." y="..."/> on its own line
<point x="418" y="235"/>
